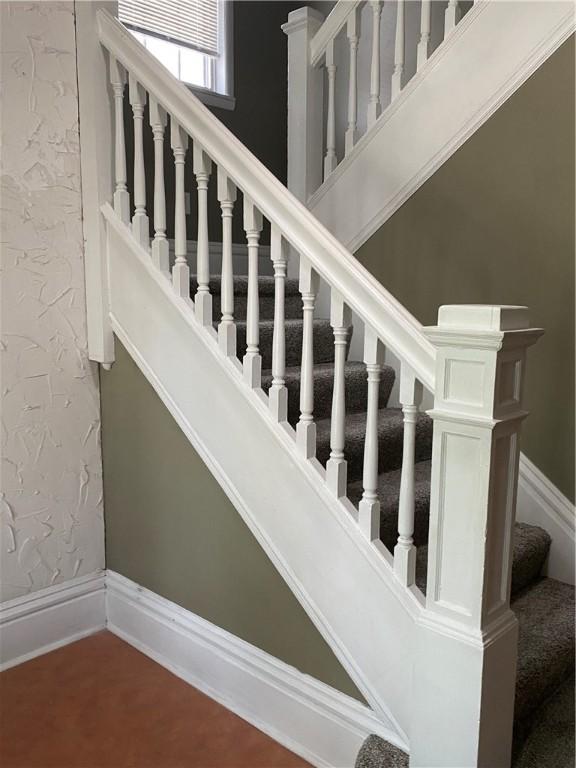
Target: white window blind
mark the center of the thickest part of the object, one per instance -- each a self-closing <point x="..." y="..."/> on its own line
<point x="192" y="23"/>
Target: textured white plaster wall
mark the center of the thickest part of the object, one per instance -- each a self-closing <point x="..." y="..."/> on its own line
<point x="51" y="514"/>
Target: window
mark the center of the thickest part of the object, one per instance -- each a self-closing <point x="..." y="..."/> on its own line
<point x="192" y="38"/>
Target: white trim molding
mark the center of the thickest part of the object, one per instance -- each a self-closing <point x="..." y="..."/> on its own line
<point x="50" y="618"/>
<point x="541" y="503"/>
<point x="312" y="719"/>
<point x="487" y="57"/>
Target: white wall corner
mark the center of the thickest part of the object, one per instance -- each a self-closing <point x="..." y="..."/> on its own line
<point x="541" y="503"/>
<point x="50" y="618"/>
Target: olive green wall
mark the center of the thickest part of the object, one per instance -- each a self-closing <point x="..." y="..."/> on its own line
<point x="496" y="225"/>
<point x="171" y="529"/>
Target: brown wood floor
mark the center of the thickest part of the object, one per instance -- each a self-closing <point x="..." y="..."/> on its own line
<point x="99" y="703"/>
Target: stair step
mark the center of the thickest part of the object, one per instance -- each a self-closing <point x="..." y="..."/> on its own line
<point x="323" y="342"/>
<point x="531" y="545"/>
<point x="265" y="285"/>
<point x="550" y="742"/>
<point x="545" y="614"/>
<point x="390" y="440"/>
<point x="377" y="753"/>
<point x="292" y="307"/>
<point x="356" y="388"/>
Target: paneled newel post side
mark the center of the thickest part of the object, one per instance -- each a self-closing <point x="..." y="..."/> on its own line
<point x="305" y="105"/>
<point x="467" y="644"/>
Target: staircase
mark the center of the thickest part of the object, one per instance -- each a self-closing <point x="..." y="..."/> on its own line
<point x="544" y="607"/>
<point x="394" y="527"/>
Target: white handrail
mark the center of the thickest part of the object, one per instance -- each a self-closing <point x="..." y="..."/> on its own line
<point x="394" y="325"/>
<point x="334" y="22"/>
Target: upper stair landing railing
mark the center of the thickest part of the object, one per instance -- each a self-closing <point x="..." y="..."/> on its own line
<point x="351" y="27"/>
<point x="473" y="362"/>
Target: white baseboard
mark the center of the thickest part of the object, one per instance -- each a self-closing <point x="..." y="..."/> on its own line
<point x="52" y="617"/>
<point x="541" y="503"/>
<point x="313" y="720"/>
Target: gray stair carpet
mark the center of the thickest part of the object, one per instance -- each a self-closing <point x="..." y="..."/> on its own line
<point x="544" y="708"/>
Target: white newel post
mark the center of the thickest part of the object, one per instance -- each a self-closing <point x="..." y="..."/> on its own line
<point x="97" y="140"/>
<point x="305" y="105"/>
<point x="465" y="663"/>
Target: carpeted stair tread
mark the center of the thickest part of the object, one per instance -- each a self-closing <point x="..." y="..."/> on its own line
<point x="377" y="753"/>
<point x="390" y="440"/>
<point x="545" y="614"/>
<point x="531" y="545"/>
<point x="292" y="308"/>
<point x="265" y="285"/>
<point x="356" y="388"/>
<point x="323" y="341"/>
<point x="550" y="743"/>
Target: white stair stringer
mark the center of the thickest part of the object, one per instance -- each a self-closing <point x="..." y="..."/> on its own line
<point x="481" y="63"/>
<point x="344" y="582"/>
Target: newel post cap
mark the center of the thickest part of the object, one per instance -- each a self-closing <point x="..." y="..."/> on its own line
<point x="302" y="18"/>
<point x="483" y="317"/>
<point x="487" y="326"/>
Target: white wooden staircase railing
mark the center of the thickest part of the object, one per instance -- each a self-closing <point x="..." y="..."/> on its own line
<point x="382" y="93"/>
<point x="438" y="670"/>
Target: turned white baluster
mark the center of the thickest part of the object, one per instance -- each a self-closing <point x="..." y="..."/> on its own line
<point x="140" y="226"/>
<point x="227" y="327"/>
<point x="278" y="394"/>
<point x="121" y="194"/>
<point x="398" y="50"/>
<point x="353" y="34"/>
<point x="405" y="551"/>
<point x="451" y="16"/>
<point x="202" y="166"/>
<point x="306" y="428"/>
<point x="423" y="50"/>
<point x="160" y="246"/>
<point x="374" y="103"/>
<point x="330" y="160"/>
<point x="252" y="362"/>
<point x="181" y="270"/>
<point x="369" y="507"/>
<point x="340" y="319"/>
